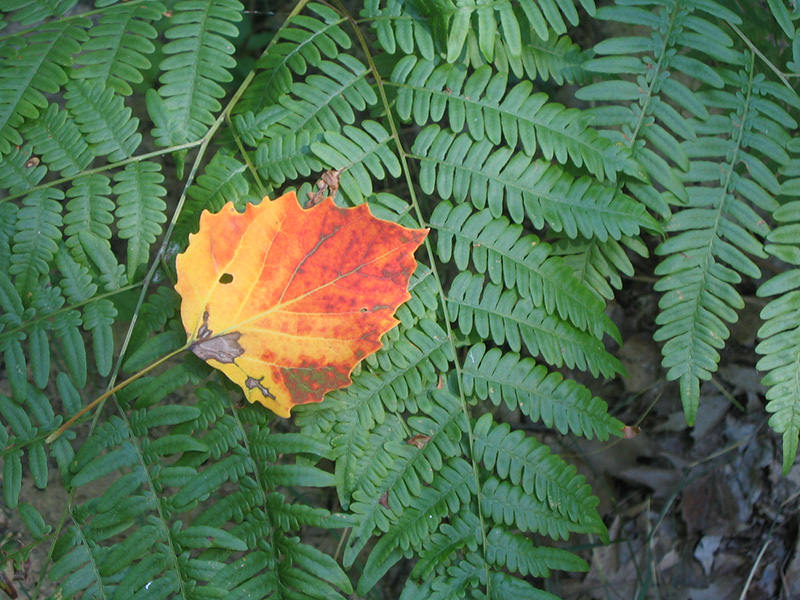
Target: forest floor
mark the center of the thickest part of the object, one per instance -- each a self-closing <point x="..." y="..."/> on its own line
<point x="695" y="513"/>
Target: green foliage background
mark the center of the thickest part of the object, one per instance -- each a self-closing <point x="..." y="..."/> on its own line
<point x="439" y="114"/>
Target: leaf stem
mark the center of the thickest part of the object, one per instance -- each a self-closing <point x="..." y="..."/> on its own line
<point x="57" y="433"/>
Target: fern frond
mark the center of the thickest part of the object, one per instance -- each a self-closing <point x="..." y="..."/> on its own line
<point x="198" y="59"/>
<point x="657" y="73"/>
<point x="36" y="238"/>
<point x="502" y="17"/>
<point x="517" y="553"/>
<point x="491" y="311"/>
<point x="318" y="103"/>
<point x="56" y="138"/>
<point x="452" y="487"/>
<point x="88" y="209"/>
<point x="116" y="52"/>
<point x="557" y="58"/>
<point x="302" y="43"/>
<point x="361" y="153"/>
<point x="600" y="265"/>
<point x="27" y="12"/>
<point x="516" y="261"/>
<point x="34" y="66"/>
<point x="18" y="172"/>
<point x="707" y="253"/>
<point x="103" y="119"/>
<point x="483" y="103"/>
<point x="223" y="180"/>
<point x="543" y="476"/>
<point x="140" y="210"/>
<point x="399" y="469"/>
<point x="399" y="25"/>
<point x="458" y="167"/>
<point x="286" y="157"/>
<point x="780" y="333"/>
<point x="539" y="394"/>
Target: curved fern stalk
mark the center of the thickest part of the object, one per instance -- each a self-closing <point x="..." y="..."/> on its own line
<point x="116" y="52"/>
<point x="685" y="37"/>
<point x="520" y="262"/>
<point x="31" y="67"/>
<point x="780" y="333"/>
<point x="458" y="167"/>
<point x="198" y="59"/>
<point x="707" y="252"/>
<point x="481" y="102"/>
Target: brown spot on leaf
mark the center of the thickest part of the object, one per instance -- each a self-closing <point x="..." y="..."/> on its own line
<point x="222" y="348"/>
<point x="253" y="383"/>
<point x="225" y="278"/>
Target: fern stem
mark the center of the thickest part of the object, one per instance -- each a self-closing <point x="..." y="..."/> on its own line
<point x="778" y="73"/>
<point x="27" y="324"/>
<point x="108" y="167"/>
<point x="432" y="258"/>
<point x="57" y="433"/>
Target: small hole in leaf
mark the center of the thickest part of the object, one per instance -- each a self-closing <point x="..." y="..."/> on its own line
<point x="225" y="278"/>
<point x="364" y="309"/>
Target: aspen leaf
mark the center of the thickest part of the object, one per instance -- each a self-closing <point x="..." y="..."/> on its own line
<point x="286" y="301"/>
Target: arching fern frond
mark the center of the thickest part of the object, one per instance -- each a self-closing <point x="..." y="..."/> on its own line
<point x="707" y="253"/>
<point x="520" y="383"/>
<point x="198" y="59"/>
<point x="780" y="333"/>
<point x="502" y="18"/>
<point x="116" y="52"/>
<point x="39" y="67"/>
<point x="522" y="262"/>
<point x="484" y="104"/>
<point x="456" y="166"/>
<point x="557" y="58"/>
<point x="223" y="180"/>
<point x="502" y="315"/>
<point x="286" y="157"/>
